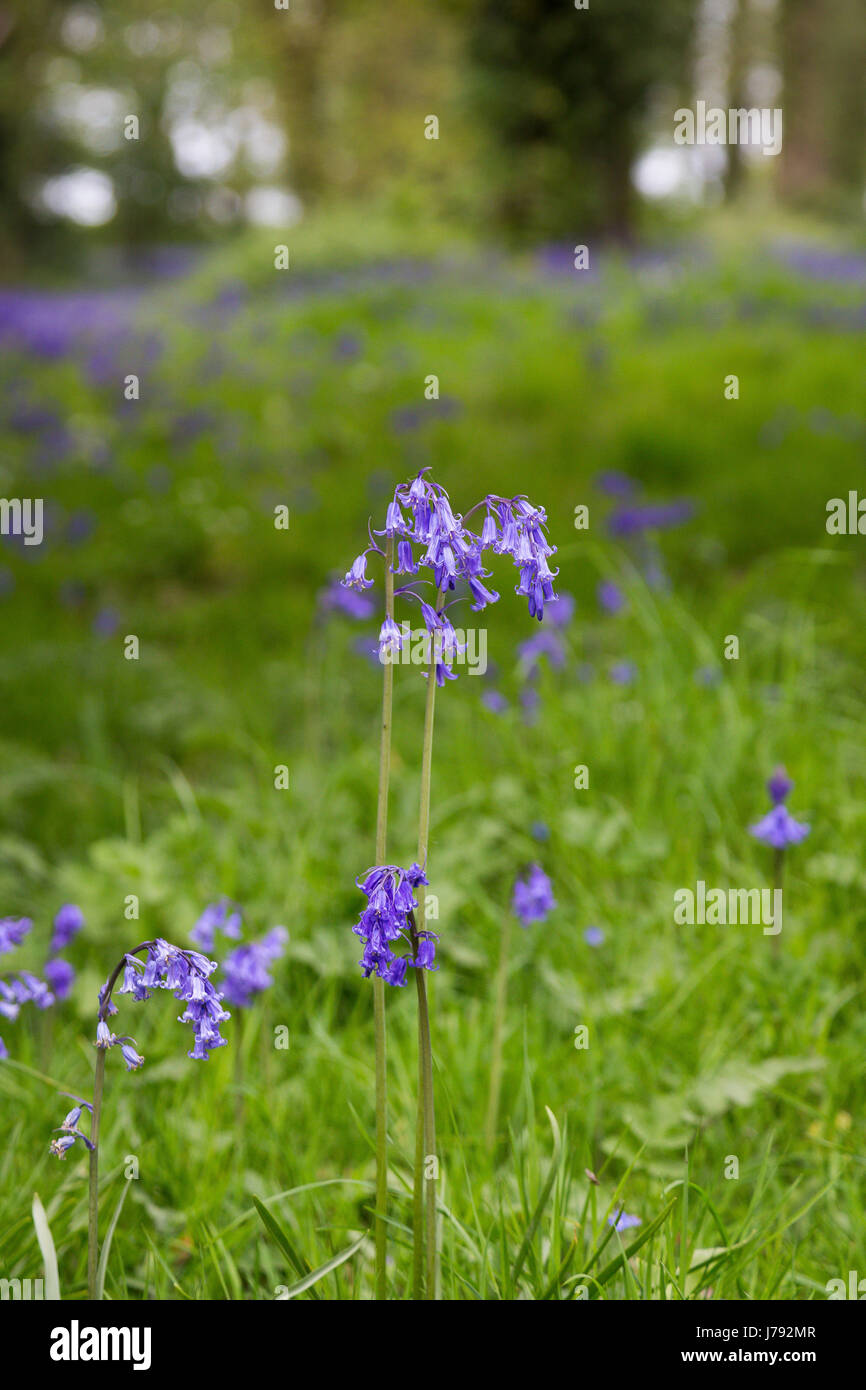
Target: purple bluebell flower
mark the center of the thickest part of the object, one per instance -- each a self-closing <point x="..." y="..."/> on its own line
<point x="533" y="896"/>
<point x="530" y="703"/>
<point x="246" y="970"/>
<point x="12" y="932"/>
<point x="70" y="1130"/>
<point x="623" y="673"/>
<point x="615" y="484"/>
<point x="779" y="786"/>
<point x="541" y="643"/>
<point x="59" y="1147"/>
<point x="560" y="611"/>
<point x="610" y="596"/>
<point x="29" y="989"/>
<point x="74" y="1115"/>
<point x="621" y="1221"/>
<point x="357" y="577"/>
<point x="60" y="976"/>
<point x="539" y="831"/>
<point x="494" y="700"/>
<point x="67" y="924"/>
<point x="779" y="829"/>
<point x="593" y="936"/>
<point x="388" y="919"/>
<point x="186" y="974"/>
<point x="391" y="640"/>
<point x="131" y="1056"/>
<point x="635" y="520"/>
<point x="223" y="916"/>
<point x="337" y="598"/>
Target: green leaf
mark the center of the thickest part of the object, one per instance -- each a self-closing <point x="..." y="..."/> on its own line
<point x="106" y="1244"/>
<point x="46" y="1245"/>
<point x="316" y="1274"/>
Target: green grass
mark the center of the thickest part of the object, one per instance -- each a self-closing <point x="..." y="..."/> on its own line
<point x="155" y="778"/>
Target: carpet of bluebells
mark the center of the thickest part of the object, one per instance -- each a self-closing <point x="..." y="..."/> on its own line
<point x="197" y="818"/>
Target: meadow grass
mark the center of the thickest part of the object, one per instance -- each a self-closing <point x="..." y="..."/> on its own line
<point x="156" y="778"/>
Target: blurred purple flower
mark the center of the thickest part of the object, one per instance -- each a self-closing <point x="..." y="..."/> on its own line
<point x="532" y="898"/>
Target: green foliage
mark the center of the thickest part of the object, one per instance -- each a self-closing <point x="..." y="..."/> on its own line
<point x="155" y="778"/>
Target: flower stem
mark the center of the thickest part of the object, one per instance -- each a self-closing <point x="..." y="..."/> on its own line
<point x="498" y="1036"/>
<point x="425" y="1153"/>
<point x="778" y="880"/>
<point x="93" y="1199"/>
<point x="381" y="1228"/>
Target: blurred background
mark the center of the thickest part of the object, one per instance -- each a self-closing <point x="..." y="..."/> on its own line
<point x="553" y="119"/>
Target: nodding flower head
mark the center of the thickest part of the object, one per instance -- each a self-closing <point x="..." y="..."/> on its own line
<point x="533" y="896"/>
<point x="430" y="534"/>
<point x="131" y="1057"/>
<point x="69" y="1131"/>
<point x="777" y="828"/>
<point x="388" y="920"/>
<point x="67" y="924"/>
<point x="183" y="972"/>
<point x="356" y="577"/>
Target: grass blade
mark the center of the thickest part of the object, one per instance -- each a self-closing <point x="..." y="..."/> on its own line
<point x="46" y="1245"/>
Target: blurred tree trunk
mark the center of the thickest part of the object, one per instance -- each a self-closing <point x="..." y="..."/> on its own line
<point x="737" y="75"/>
<point x="303" y="36"/>
<point x="805" y="98"/>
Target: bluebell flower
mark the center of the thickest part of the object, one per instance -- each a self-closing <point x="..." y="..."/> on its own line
<point x="12" y="932"/>
<point x="533" y="896"/>
<point x="74" y="1115"/>
<point x="246" y="970"/>
<point x="560" y="610"/>
<point x="60" y="976"/>
<point x="778" y="827"/>
<point x="541" y="644"/>
<point x="615" y="484"/>
<point x="610" y="596"/>
<point x="388" y="919"/>
<point x="593" y="936"/>
<point x="29" y="989"/>
<point x="779" y="786"/>
<point x="67" y="923"/>
<point x="429" y="534"/>
<point x="621" y="1221"/>
<point x="70" y="1130"/>
<point x="356" y="577"/>
<point x="59" y="1147"/>
<point x="223" y="916"/>
<point x="635" y="520"/>
<point x="623" y="673"/>
<point x="337" y="598"/>
<point x="494" y="700"/>
<point x="390" y="640"/>
<point x="185" y="973"/>
<point x="131" y="1057"/>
